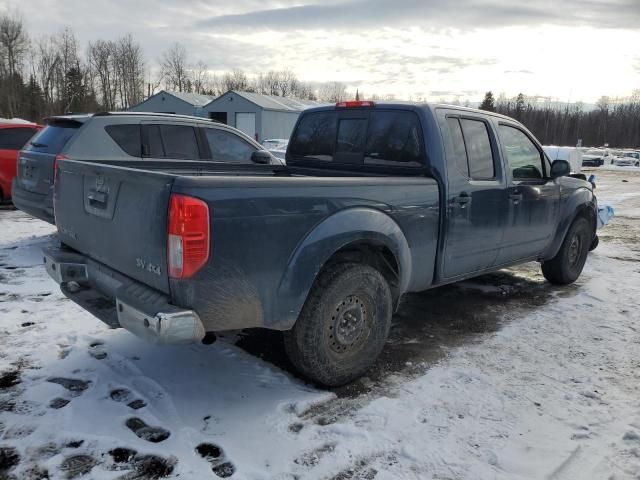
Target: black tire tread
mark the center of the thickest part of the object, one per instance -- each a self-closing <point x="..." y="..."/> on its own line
<point x="556" y="270"/>
<point x="301" y="342"/>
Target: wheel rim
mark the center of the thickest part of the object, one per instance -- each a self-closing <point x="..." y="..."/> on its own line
<point x="575" y="249"/>
<point x="350" y="320"/>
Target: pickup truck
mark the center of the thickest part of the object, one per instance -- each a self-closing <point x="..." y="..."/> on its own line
<point x="376" y="200"/>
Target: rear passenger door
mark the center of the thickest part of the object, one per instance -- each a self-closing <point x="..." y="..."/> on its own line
<point x="476" y="204"/>
<point x="533" y="196"/>
<point x="176" y="141"/>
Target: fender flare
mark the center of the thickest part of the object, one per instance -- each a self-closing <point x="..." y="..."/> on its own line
<point x="581" y="201"/>
<point x="352" y="225"/>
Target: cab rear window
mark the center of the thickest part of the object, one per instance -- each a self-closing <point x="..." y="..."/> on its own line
<point x="377" y="138"/>
<point x="315" y="137"/>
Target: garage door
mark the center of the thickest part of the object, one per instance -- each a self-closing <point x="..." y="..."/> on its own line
<point x="246" y="122"/>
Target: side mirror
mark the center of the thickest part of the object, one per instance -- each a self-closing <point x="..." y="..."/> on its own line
<point x="261" y="157"/>
<point x="560" y="168"/>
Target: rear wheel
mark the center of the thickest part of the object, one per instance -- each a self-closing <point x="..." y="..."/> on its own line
<point x="567" y="265"/>
<point x="343" y="325"/>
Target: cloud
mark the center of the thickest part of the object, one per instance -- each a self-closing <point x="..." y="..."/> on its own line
<point x="439" y="14"/>
<point x="524" y="72"/>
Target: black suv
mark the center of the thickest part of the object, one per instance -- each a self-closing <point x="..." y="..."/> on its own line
<point x="123" y="136"/>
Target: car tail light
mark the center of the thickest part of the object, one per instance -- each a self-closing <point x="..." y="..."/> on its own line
<point x="188" y="236"/>
<point x="355" y="104"/>
<point x="55" y="165"/>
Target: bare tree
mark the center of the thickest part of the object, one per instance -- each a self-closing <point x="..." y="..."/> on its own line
<point x="173" y="65"/>
<point x="332" y="92"/>
<point x="14" y="44"/>
<point x="201" y="78"/>
<point x="235" y="80"/>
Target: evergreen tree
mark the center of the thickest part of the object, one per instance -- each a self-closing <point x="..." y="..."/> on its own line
<point x="488" y="103"/>
<point x="520" y="106"/>
<point x="33" y="104"/>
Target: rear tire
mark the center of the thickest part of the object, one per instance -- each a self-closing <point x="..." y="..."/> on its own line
<point x="343" y="325"/>
<point x="567" y="265"/>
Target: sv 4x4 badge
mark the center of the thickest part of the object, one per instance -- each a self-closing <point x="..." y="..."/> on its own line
<point x="148" y="266"/>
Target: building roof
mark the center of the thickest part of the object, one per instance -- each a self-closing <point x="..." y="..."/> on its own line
<point x="194" y="99"/>
<point x="272" y="102"/>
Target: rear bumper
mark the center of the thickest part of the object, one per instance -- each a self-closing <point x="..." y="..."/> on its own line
<point x="35" y="204"/>
<point x="120" y="301"/>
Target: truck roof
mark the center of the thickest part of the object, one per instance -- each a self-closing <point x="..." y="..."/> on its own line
<point x="400" y="104"/>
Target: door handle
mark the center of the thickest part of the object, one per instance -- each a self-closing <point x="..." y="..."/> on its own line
<point x="97" y="199"/>
<point x="515" y="197"/>
<point x="463" y="199"/>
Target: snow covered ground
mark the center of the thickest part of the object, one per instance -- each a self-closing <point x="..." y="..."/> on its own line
<point x="501" y="377"/>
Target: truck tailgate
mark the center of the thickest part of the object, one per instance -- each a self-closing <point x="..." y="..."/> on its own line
<point x="116" y="216"/>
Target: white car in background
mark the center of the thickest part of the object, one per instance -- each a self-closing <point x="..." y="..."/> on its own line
<point x="277" y="146"/>
<point x="596" y="157"/>
<point x="628" y="159"/>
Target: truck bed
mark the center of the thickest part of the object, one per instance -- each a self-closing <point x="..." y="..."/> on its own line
<point x="272" y="227"/>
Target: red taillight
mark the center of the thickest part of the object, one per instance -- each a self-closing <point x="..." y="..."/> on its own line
<point x="188" y="236"/>
<point x="355" y="104"/>
<point x="55" y="165"/>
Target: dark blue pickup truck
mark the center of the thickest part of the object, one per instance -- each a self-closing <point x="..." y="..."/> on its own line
<point x="376" y="200"/>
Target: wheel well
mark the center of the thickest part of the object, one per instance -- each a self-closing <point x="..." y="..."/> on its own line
<point x="375" y="255"/>
<point x="589" y="215"/>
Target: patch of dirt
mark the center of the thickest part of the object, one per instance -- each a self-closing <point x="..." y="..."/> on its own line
<point x="58" y="403"/>
<point x="9" y="379"/>
<point x="122" y="455"/>
<point x="150" y="467"/>
<point x="216" y="457"/>
<point x="77" y="465"/>
<point x="72" y="384"/>
<point x="147" y="432"/>
<point x="9" y="459"/>
<point x="19" y="431"/>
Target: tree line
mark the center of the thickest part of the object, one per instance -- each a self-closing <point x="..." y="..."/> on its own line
<point x="615" y="122"/>
<point x="53" y="74"/>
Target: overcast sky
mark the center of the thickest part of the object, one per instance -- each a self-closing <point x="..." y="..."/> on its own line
<point x="439" y="49"/>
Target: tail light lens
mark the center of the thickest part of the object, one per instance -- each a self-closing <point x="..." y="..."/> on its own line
<point x="188" y="236"/>
<point x="55" y="166"/>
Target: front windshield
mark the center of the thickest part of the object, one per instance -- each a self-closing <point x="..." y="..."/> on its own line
<point x="594" y="152"/>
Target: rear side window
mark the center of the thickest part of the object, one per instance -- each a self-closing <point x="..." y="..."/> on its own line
<point x="228" y="147"/>
<point x="53" y="137"/>
<point x="394" y="139"/>
<point x="15" y="138"/>
<point x="315" y="136"/>
<point x="127" y="137"/>
<point x="180" y="142"/>
<point x="457" y="139"/>
<point x="172" y="141"/>
<point x="479" y="153"/>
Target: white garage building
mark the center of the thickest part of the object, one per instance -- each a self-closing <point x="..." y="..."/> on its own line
<point x="259" y="116"/>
